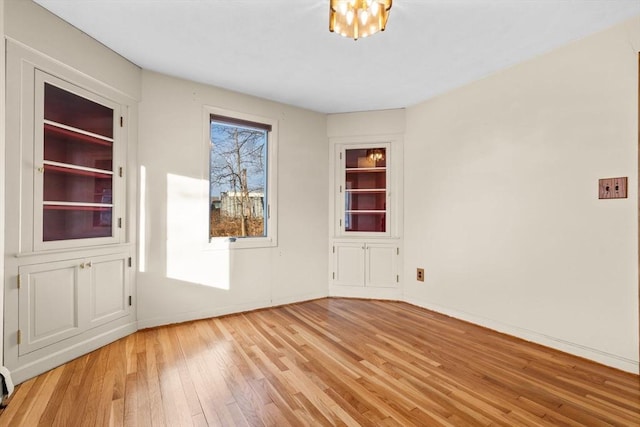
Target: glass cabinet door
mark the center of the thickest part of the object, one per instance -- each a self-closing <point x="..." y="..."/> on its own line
<point x="77" y="164"/>
<point x="366" y="189"/>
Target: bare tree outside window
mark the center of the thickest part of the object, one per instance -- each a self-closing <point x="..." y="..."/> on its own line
<point x="238" y="180"/>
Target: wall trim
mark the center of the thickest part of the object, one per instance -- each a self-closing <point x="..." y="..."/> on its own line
<point x="393" y="294"/>
<point x="275" y="302"/>
<point x="188" y="316"/>
<point x="592" y="354"/>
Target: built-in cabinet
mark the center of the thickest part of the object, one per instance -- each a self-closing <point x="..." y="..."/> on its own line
<point x="365" y="213"/>
<point x="68" y="256"/>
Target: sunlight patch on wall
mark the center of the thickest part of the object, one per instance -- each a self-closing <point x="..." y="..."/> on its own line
<point x="187" y="235"/>
<point x="142" y="248"/>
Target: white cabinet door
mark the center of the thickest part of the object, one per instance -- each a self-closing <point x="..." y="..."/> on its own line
<point x="59" y="300"/>
<point x="363" y="190"/>
<point x="349" y="264"/>
<point x="78" y="187"/>
<point x="365" y="264"/>
<point x="108" y="289"/>
<point x="48" y="303"/>
<point x="381" y="265"/>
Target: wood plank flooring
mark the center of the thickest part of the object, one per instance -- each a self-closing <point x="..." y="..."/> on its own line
<point x="323" y="363"/>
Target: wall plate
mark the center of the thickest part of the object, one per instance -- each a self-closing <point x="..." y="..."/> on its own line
<point x="612" y="188"/>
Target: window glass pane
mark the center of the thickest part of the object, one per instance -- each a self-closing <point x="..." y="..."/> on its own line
<point x="365" y="190"/>
<point x="64" y="146"/>
<point x="75" y="222"/>
<point x="72" y="110"/>
<point x="78" y="167"/>
<point x="238" y="179"/>
<point x="72" y="185"/>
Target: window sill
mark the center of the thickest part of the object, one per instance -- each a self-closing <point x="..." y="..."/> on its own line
<point x="232" y="243"/>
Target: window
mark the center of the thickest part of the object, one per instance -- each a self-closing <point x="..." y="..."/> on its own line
<point x="241" y="179"/>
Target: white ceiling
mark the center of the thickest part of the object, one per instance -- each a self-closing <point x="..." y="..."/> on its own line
<point x="282" y="49"/>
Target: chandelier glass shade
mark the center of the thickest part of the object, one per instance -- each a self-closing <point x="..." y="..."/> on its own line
<point x="375" y="154"/>
<point x="358" y="18"/>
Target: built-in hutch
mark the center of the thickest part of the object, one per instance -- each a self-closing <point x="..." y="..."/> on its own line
<point x="68" y="254"/>
<point x="366" y="209"/>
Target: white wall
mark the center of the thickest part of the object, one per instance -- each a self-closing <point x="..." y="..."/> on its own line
<point x="2" y="169"/>
<point x="501" y="201"/>
<point x="366" y="123"/>
<point x="183" y="279"/>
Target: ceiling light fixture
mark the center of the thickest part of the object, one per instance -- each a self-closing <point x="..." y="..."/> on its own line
<point x="358" y="18"/>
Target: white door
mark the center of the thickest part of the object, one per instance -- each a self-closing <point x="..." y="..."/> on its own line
<point x="349" y="264"/>
<point x="108" y="288"/>
<point x="381" y="265"/>
<point x="48" y="303"/>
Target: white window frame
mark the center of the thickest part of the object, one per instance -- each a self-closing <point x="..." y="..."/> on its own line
<point x="271" y="239"/>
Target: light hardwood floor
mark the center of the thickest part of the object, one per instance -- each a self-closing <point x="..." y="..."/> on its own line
<point x="326" y="362"/>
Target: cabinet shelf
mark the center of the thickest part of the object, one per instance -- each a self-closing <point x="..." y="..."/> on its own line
<point x="366" y="190"/>
<point x="70" y="206"/>
<point x="366" y="170"/>
<point x="65" y="168"/>
<point x="365" y="212"/>
<point x="79" y="134"/>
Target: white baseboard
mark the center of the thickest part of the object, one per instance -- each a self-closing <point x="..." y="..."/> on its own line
<point x="394" y="294"/>
<point x="222" y="311"/>
<point x="298" y="298"/>
<point x="39" y="366"/>
<point x="596" y="355"/>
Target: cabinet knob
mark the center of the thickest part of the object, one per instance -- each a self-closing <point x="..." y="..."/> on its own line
<point x="82" y="265"/>
<point x="41" y="169"/>
<point x="89" y="264"/>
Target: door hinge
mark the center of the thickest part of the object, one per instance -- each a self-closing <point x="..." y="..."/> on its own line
<point x="397" y="278"/>
<point x="340" y="156"/>
<point x="397" y="251"/>
<point x="340" y="223"/>
<point x="19" y="281"/>
<point x="334" y="249"/>
<point x="268" y="211"/>
<point x="130" y="300"/>
<point x="120" y="172"/>
<point x="119" y="222"/>
<point x="334" y="275"/>
<point x="341" y="188"/>
<point x="121" y="121"/>
<point x="19" y="337"/>
<point x="130" y="262"/>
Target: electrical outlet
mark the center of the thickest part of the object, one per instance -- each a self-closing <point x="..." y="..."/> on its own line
<point x="420" y="275"/>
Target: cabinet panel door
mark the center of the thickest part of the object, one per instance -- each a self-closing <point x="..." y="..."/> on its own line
<point x="48" y="301"/>
<point x="77" y="188"/>
<point x="349" y="264"/>
<point x="382" y="265"/>
<point x="363" y="194"/>
<point x="108" y="289"/>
